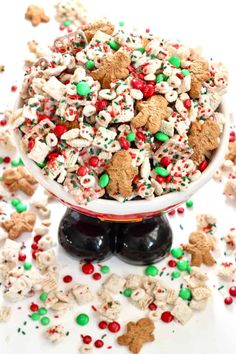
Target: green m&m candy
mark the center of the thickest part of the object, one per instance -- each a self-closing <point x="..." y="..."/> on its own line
<point x="114" y="45"/>
<point x="185" y="294"/>
<point x="131" y="136"/>
<point x="177" y="252"/>
<point x="104" y="180"/>
<point x="90" y="65"/>
<point x="21" y="207"/>
<point x="175" y="61"/>
<point x="42" y="311"/>
<point x="182" y="265"/>
<point x="35" y="316"/>
<point x="16" y="162"/>
<point x="160" y="78"/>
<point x="161" y="171"/>
<point x="83" y="88"/>
<point x="43" y="297"/>
<point x="151" y="271"/>
<point x="27" y="265"/>
<point x="185" y="72"/>
<point x="105" y="269"/>
<point x="175" y="275"/>
<point x="15" y="202"/>
<point x="162" y="137"/>
<point x="82" y="319"/>
<point x="45" y="321"/>
<point x="67" y="23"/>
<point x="127" y="292"/>
<point x="189" y="203"/>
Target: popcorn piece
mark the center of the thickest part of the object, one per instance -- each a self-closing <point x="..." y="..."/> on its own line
<point x="7" y="141"/>
<point x="54" y="88"/>
<point x="19" y="179"/>
<point x="114" y="283"/>
<point x="36" y="15"/>
<point x="206" y="223"/>
<point x="230" y="187"/>
<point x="55" y="333"/>
<point x="181" y="311"/>
<point x="41" y="230"/>
<point x="19" y="223"/>
<point x="5" y="313"/>
<point x="82" y="294"/>
<point x="72" y="9"/>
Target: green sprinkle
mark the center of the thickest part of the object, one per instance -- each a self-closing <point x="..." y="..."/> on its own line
<point x="67" y="23"/>
<point x="114" y="45"/>
<point x="105" y="269"/>
<point x="35" y="316"/>
<point x="45" y="321"/>
<point x="41" y="165"/>
<point x="177" y="252"/>
<point x="43" y="297"/>
<point x="185" y="294"/>
<point x="151" y="271"/>
<point x="27" y="265"/>
<point x="185" y="72"/>
<point x="127" y="292"/>
<point x="182" y="265"/>
<point x="175" y="61"/>
<point x="90" y="64"/>
<point x="15" y="202"/>
<point x="83" y="88"/>
<point x="161" y="171"/>
<point x="142" y="50"/>
<point x="104" y="180"/>
<point x="21" y="207"/>
<point x="162" y="137"/>
<point x="82" y="319"/>
<point x="189" y="203"/>
<point x="43" y="311"/>
<point x="175" y="275"/>
<point x="131" y="136"/>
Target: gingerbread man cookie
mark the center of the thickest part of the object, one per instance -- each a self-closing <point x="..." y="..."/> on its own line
<point x="231" y="152"/>
<point x="36" y="15"/>
<point x="121" y="173"/>
<point x="203" y="138"/>
<point x="19" y="223"/>
<point x="114" y="67"/>
<point x="199" y="73"/>
<point x="200" y="247"/>
<point x="19" y="179"/>
<point x="151" y="113"/>
<point x="137" y="334"/>
<point x="103" y="26"/>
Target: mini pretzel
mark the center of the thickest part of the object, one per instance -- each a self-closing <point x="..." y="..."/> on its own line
<point x="121" y="173"/>
<point x="199" y="73"/>
<point x="151" y="113"/>
<point x="36" y="15"/>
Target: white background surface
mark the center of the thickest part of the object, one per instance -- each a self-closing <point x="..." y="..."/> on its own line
<point x="209" y="23"/>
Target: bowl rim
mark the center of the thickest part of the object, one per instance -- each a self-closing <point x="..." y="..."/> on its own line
<point x="138" y="207"/>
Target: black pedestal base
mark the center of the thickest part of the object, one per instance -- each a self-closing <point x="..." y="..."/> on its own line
<point x="137" y="243"/>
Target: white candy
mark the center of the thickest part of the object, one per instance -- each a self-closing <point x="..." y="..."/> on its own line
<point x="136" y="94"/>
<point x="88" y="181"/>
<point x="51" y="140"/>
<point x="78" y="143"/>
<point x="107" y="94"/>
<point x="145" y="168"/>
<point x="171" y="96"/>
<point x="56" y="333"/>
<point x="174" y="81"/>
<point x="71" y="134"/>
<point x="54" y="88"/>
<point x="41" y="230"/>
<point x="89" y="110"/>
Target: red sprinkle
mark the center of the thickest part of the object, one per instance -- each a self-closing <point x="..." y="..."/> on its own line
<point x="114" y="327"/>
<point x="203" y="165"/>
<point x="67" y="278"/>
<point x="87" y="339"/>
<point x="34" y="246"/>
<point x="232" y="291"/>
<point x="34" y="254"/>
<point x="172" y="263"/>
<point x="7" y="159"/>
<point x="228" y="300"/>
<point x="97" y="276"/>
<point x="93" y="161"/>
<point x="180" y="210"/>
<point x="102" y="325"/>
<point x="14" y="88"/>
<point x="165" y="161"/>
<point x="148" y="91"/>
<point x="21" y="257"/>
<point x="37" y="238"/>
<point x="87" y="268"/>
<point x="82" y="170"/>
<point x="167" y="317"/>
<point x="60" y="129"/>
<point x="99" y="343"/>
<point x="152" y="307"/>
<point x="34" y="307"/>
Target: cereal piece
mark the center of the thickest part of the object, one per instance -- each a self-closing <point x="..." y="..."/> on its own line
<point x="171" y="296"/>
<point x="206" y="222"/>
<point x="231" y="155"/>
<point x="3" y="234"/>
<point x="134" y="281"/>
<point x="45" y="259"/>
<point x="57" y="301"/>
<point x="71" y="9"/>
<point x="82" y="294"/>
<point x="198" y="305"/>
<point x="199" y="73"/>
<point x="173" y="149"/>
<point x="201" y="293"/>
<point x="141" y="299"/>
<point x="151" y="113"/>
<point x="226" y="271"/>
<point x="36" y="15"/>
<point x="19" y="223"/>
<point x="54" y="88"/>
<point x="41" y="230"/>
<point x="230" y="239"/>
<point x="49" y="284"/>
<point x="45" y="242"/>
<point x="203" y="138"/>
<point x="55" y="333"/>
<point x="19" y="179"/>
<point x="104" y="139"/>
<point x="5" y="313"/>
<point x="7" y="140"/>
<point x="103" y="26"/>
<point x="114" y="67"/>
<point x="196" y="278"/>
<point x="39" y="152"/>
<point x="137" y="335"/>
<point x="86" y="349"/>
<point x="121" y="173"/>
<point x="114" y="283"/>
<point x="110" y="310"/>
<point x="181" y="311"/>
<point x="199" y="247"/>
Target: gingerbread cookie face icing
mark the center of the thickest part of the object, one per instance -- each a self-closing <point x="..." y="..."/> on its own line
<point x="120" y="115"/>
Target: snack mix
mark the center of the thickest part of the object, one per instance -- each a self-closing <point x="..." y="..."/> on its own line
<point x="119" y="115"/>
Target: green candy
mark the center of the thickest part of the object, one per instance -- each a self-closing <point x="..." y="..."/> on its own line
<point x="1" y="159"/>
<point x="16" y="162"/>
<point x="175" y="61"/>
<point x="161" y="171"/>
<point x="162" y="137"/>
<point x="121" y="23"/>
<point x="185" y="72"/>
<point x="43" y="297"/>
<point x="35" y="316"/>
<point x="41" y="165"/>
<point x="43" y="311"/>
<point x="82" y="319"/>
<point x="105" y="269"/>
<point x="114" y="45"/>
<point x="160" y="78"/>
<point x="27" y="265"/>
<point x="175" y="275"/>
<point x="104" y="180"/>
<point x="67" y="23"/>
<point x="45" y="321"/>
<point x="90" y="64"/>
<point x="127" y="292"/>
<point x="15" y="202"/>
<point x="131" y="136"/>
<point x="151" y="271"/>
<point x="21" y="207"/>
<point x="189" y="269"/>
<point x="182" y="265"/>
<point x="83" y="88"/>
<point x="142" y="50"/>
<point x="189" y="203"/>
<point x="177" y="252"/>
<point x="185" y="294"/>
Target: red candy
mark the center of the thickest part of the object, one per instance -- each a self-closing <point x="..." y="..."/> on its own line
<point x="203" y="165"/>
<point x="101" y="104"/>
<point x="34" y="307"/>
<point x="152" y="307"/>
<point x="187" y="104"/>
<point x="165" y="161"/>
<point x="172" y="212"/>
<point x="232" y="291"/>
<point x="34" y="246"/>
<point x="168" y="179"/>
<point x="37" y="238"/>
<point x="34" y="254"/>
<point x="137" y="84"/>
<point x="124" y="143"/>
<point x="140" y="136"/>
<point x="7" y="159"/>
<point x="82" y="170"/>
<point x="97" y="276"/>
<point x="99" y="343"/>
<point x="60" y="129"/>
<point x="172" y="263"/>
<point x="167" y="317"/>
<point x="180" y="210"/>
<point x="88" y="268"/>
<point x="114" y="327"/>
<point x="102" y="325"/>
<point x="31" y="144"/>
<point x="3" y="122"/>
<point x="14" y="88"/>
<point x="21" y="257"/>
<point x="93" y="161"/>
<point x="148" y="91"/>
<point x="87" y="339"/>
<point x="228" y="300"/>
<point x="160" y="179"/>
<point x="67" y="278"/>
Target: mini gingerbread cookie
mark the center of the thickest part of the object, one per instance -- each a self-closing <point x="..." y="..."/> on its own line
<point x="200" y="247"/>
<point x="151" y="113"/>
<point x="103" y="26"/>
<point x="199" y="73"/>
<point x="137" y="334"/>
<point x="203" y="138"/>
<point x="121" y="173"/>
<point x="36" y="15"/>
<point x="19" y="223"/>
<point x="231" y="155"/>
<point x="114" y="67"/>
<point x="19" y="179"/>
